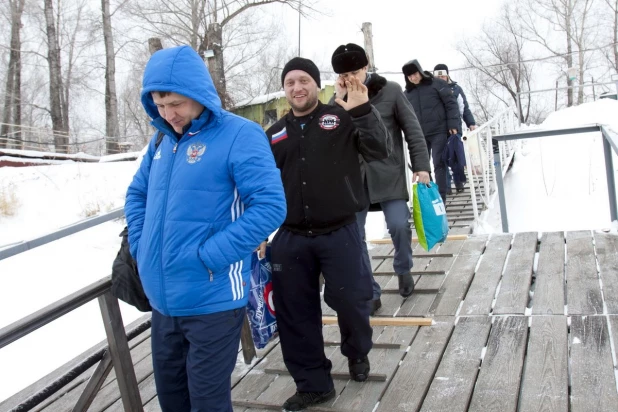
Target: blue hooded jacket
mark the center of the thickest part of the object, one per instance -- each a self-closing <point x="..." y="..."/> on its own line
<point x="200" y="204"/>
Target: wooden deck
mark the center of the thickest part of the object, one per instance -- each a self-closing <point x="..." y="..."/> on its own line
<point x="523" y="322"/>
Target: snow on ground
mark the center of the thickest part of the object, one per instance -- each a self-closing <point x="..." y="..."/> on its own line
<point x="48" y="198"/>
<point x="559" y="182"/>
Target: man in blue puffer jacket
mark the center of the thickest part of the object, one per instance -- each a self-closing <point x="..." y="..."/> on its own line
<point x="199" y="204"/>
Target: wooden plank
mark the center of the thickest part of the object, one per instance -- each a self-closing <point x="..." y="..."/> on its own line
<point x="415" y="373"/>
<point x="269" y="406"/>
<point x="545" y="384"/>
<point x="413" y="273"/>
<point x="94" y="383"/>
<point x="593" y="383"/>
<point x="455" y="286"/>
<point x="474" y="245"/>
<point x="332" y="320"/>
<point x="375" y="377"/>
<point x="419" y="305"/>
<point x="497" y="386"/>
<point x="364" y="396"/>
<point x="582" y="279"/>
<point x="613" y="322"/>
<point x="606" y="246"/>
<point x="417" y="291"/>
<point x="515" y="285"/>
<point x="417" y="256"/>
<point x="414" y="239"/>
<point x="549" y="291"/>
<point x="483" y="288"/>
<point x="451" y="388"/>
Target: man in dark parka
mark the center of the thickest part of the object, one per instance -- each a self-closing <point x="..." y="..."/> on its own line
<point x="436" y="110"/>
<point x="385" y="180"/>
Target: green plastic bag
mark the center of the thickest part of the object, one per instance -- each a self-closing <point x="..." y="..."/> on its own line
<point x="429" y="215"/>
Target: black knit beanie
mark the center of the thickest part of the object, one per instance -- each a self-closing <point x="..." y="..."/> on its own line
<point x="348" y="58"/>
<point x="306" y="65"/>
<point x="441" y="67"/>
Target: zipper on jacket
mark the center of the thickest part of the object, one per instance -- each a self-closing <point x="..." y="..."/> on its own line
<point x="347" y="182"/>
<point x="167" y="191"/>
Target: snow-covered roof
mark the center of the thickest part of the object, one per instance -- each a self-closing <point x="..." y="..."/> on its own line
<point x="119" y="157"/>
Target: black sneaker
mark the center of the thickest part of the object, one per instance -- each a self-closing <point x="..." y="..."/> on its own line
<point x="302" y="400"/>
<point x="406" y="285"/>
<point x="359" y="369"/>
<point x="375" y="305"/>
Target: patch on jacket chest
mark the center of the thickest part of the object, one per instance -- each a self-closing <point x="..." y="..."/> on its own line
<point x="195" y="152"/>
<point x="329" y="122"/>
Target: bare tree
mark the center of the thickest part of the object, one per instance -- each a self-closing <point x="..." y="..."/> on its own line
<point x="498" y="54"/>
<point x="613" y="56"/>
<point x="12" y="93"/>
<point x="203" y="25"/>
<point x="571" y="20"/>
<point x="111" y="101"/>
<point x="57" y="103"/>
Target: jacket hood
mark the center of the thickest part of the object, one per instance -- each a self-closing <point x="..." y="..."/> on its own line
<point x="414" y="66"/>
<point x="179" y="70"/>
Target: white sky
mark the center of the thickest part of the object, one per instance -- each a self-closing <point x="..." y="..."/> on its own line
<point x="50" y="197"/>
<point x="402" y="30"/>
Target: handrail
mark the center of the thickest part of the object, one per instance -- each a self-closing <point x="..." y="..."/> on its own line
<point x="20" y="247"/>
<point x="42" y="317"/>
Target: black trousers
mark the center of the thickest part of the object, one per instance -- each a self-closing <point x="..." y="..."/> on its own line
<point x="297" y="262"/>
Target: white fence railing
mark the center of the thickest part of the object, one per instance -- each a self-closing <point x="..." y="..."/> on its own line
<point x="480" y="160"/>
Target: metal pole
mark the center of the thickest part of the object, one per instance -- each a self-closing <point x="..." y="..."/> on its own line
<point x="500" y="182"/>
<point x="611" y="182"/>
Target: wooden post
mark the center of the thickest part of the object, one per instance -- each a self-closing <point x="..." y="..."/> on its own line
<point x="154" y="45"/>
<point x="120" y="353"/>
<point x="368" y="35"/>
<point x="94" y="383"/>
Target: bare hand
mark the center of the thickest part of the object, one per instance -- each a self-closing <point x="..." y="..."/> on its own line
<point x="473" y="127"/>
<point x="261" y="250"/>
<point x="357" y="94"/>
<point x="453" y="131"/>
<point x="421" y="177"/>
<point x="340" y="89"/>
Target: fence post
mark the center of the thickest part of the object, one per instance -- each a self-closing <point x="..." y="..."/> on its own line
<point x="500" y="184"/>
<point x="121" y="355"/>
<point x="611" y="182"/>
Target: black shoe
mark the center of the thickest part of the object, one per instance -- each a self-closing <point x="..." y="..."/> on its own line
<point x="406" y="285"/>
<point x="302" y="400"/>
<point x="359" y="369"/>
<point x="449" y="191"/>
<point x="375" y="305"/>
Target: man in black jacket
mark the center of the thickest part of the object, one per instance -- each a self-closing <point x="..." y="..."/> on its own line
<point x="316" y="147"/>
<point x="385" y="180"/>
<point x="436" y="110"/>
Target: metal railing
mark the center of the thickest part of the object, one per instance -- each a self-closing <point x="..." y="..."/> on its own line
<point x="117" y="353"/>
<point x="609" y="142"/>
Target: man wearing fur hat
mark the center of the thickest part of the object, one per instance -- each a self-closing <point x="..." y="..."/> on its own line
<point x="437" y="112"/>
<point x="385" y="180"/>
<point x="316" y="147"/>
